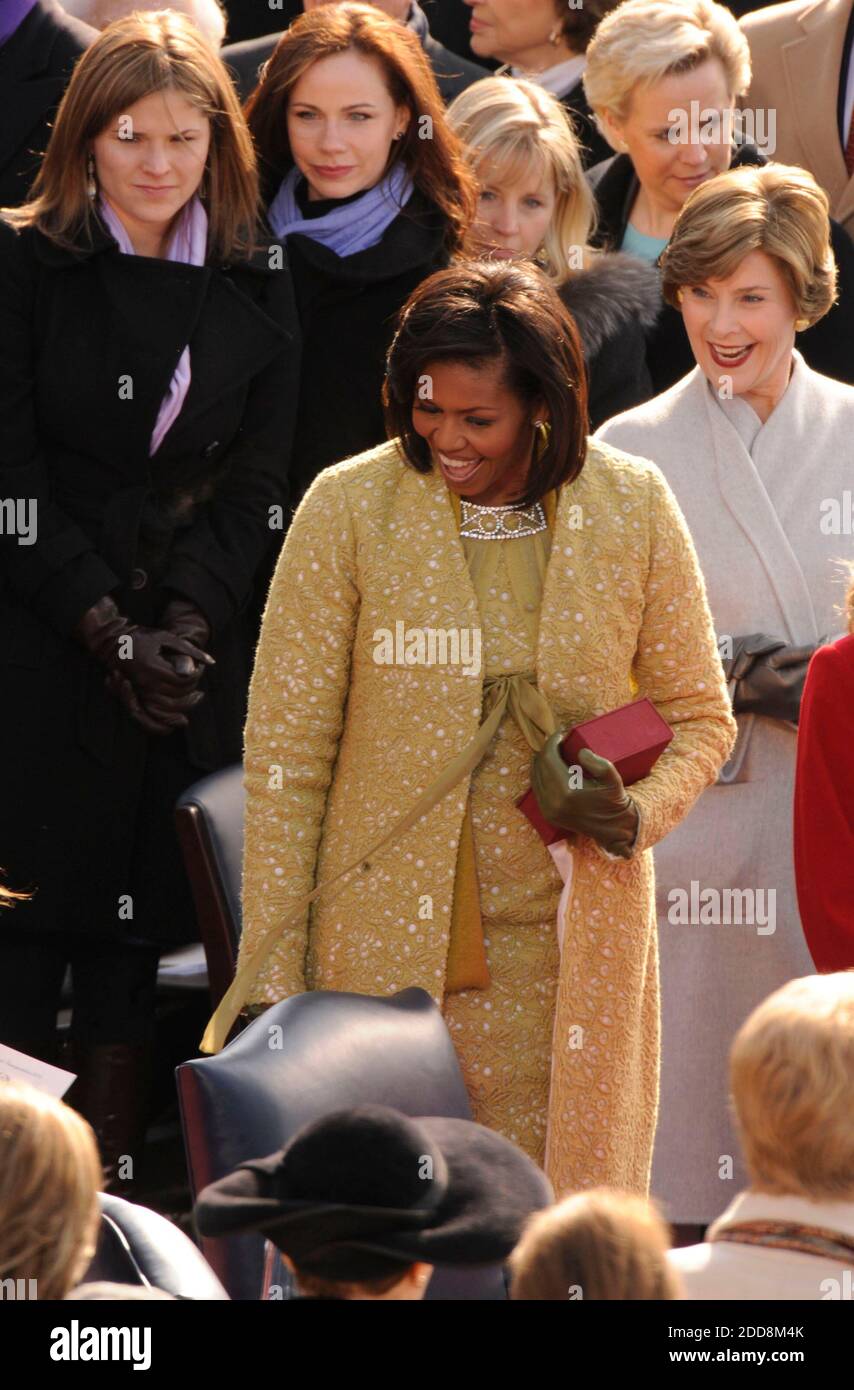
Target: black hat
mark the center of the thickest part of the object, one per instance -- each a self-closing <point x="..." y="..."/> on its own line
<point x="368" y="1182"/>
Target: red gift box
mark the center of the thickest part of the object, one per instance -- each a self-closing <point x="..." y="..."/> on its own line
<point x="632" y="737"/>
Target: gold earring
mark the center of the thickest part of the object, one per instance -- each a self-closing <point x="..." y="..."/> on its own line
<point x="543" y="431"/>
<point x="91" y="185"/>
<point x="680" y="295"/>
<point x="801" y="324"/>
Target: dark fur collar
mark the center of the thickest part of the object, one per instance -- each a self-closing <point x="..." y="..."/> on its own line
<point x="616" y="289"/>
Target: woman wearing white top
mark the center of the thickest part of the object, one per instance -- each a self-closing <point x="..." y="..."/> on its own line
<point x="753" y="443"/>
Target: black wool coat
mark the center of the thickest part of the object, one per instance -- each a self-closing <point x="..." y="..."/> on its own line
<point x="88" y="345"/>
<point x="826" y="346"/>
<point x="35" y="65"/>
<point x="347" y="309"/>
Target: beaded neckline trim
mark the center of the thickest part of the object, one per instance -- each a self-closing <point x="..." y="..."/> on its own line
<point x="500" y="523"/>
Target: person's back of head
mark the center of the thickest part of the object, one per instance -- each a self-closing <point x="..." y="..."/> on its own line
<point x="594" y="1245"/>
<point x="792" y="1080"/>
<point x="49" y="1179"/>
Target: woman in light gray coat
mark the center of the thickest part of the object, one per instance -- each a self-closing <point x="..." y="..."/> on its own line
<point x="758" y="449"/>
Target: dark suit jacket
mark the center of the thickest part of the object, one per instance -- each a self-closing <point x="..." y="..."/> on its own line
<point x="88" y="346"/>
<point x="35" y="65"/>
<point x="452" y="73"/>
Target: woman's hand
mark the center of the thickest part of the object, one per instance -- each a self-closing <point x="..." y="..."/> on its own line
<point x="600" y="808"/>
<point x="767" y="676"/>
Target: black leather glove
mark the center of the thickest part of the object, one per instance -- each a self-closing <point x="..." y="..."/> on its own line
<point x="184" y="619"/>
<point x="141" y="670"/>
<point x="768" y="676"/>
<point x="601" y="808"/>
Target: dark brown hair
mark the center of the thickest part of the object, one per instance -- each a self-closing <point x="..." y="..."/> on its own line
<point x="579" y="25"/>
<point x="430" y="151"/>
<point x="131" y="59"/>
<point x="479" y="312"/>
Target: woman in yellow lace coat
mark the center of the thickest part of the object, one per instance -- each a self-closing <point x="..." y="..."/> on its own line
<point x="566" y="572"/>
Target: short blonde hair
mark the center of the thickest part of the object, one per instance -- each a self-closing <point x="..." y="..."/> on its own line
<point x="599" y="1244"/>
<point x="520" y="128"/>
<point x="133" y="58"/>
<point x="775" y="208"/>
<point x="642" y="41"/>
<point x="49" y="1179"/>
<point x="792" y="1080"/>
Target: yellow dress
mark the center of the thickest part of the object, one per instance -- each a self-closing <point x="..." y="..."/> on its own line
<point x="503" y="1034"/>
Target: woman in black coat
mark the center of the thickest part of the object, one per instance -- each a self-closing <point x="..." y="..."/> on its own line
<point x="148" y="360"/>
<point x="546" y="41"/>
<point x="364" y="182"/>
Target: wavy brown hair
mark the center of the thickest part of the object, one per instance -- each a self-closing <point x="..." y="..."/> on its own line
<point x="435" y="161"/>
<point x="131" y="59"/>
<point x="479" y="312"/>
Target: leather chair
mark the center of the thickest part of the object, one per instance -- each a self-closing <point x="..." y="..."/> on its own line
<point x="209" y="823"/>
<point x="301" y="1059"/>
<point x="138" y="1246"/>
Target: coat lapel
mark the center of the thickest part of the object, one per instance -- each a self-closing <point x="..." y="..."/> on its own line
<point x="751" y="507"/>
<point x="812" y="64"/>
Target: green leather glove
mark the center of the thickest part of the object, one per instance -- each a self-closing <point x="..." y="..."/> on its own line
<point x="601" y="808"/>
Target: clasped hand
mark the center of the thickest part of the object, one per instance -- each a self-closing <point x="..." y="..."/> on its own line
<point x="600" y="808"/>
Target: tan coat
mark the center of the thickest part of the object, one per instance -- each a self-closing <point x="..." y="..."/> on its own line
<point x="375" y="543"/>
<point x="796" y="52"/>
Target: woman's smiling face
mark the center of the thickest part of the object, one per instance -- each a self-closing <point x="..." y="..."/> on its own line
<point x="742" y="329"/>
<point x="479" y="432"/>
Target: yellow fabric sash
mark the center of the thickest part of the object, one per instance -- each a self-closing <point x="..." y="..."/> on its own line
<point x="466" y="952"/>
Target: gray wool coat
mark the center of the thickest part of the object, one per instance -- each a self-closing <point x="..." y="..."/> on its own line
<point x="769" y="527"/>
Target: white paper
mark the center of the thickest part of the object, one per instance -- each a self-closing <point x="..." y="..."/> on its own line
<point x="17" y="1066"/>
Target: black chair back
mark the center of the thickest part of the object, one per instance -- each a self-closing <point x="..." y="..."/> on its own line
<point x="139" y="1246"/>
<point x="209" y="824"/>
<point x="301" y="1059"/>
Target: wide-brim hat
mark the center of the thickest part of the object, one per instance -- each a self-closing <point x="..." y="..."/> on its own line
<point x="371" y="1182"/>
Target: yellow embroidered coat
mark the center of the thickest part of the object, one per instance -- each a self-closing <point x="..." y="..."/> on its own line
<point x="338" y="747"/>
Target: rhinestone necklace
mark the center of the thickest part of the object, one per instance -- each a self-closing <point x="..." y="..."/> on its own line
<point x="500" y="523"/>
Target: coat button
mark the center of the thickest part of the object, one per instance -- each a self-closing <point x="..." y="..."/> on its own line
<point x="138" y="579"/>
<point x="210" y="449"/>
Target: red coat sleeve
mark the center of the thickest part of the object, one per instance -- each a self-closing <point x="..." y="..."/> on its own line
<point x="824" y="807"/>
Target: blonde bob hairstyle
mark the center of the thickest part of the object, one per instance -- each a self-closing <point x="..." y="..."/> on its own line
<point x="49" y="1179"/>
<point x="792" y="1080"/>
<point x="775" y="208"/>
<point x="599" y="1244"/>
<point x="512" y="129"/>
<point x="129" y="60"/>
<point x="642" y="41"/>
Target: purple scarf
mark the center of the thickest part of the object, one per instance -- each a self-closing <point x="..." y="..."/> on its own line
<point x="188" y="243"/>
<point x="351" y="227"/>
<point x="12" y="15"/>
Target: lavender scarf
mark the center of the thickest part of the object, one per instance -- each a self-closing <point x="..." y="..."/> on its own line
<point x="351" y="227"/>
<point x="188" y="243"/>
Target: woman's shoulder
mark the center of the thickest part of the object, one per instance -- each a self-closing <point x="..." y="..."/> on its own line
<point x="680" y="402"/>
<point x="370" y="472"/>
<point x="610" y="468"/>
<point x="618" y="295"/>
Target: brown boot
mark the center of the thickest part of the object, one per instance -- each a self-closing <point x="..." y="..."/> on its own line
<point x="112" y="1092"/>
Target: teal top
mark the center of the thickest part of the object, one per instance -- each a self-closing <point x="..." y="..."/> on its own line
<point x="648" y="248"/>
